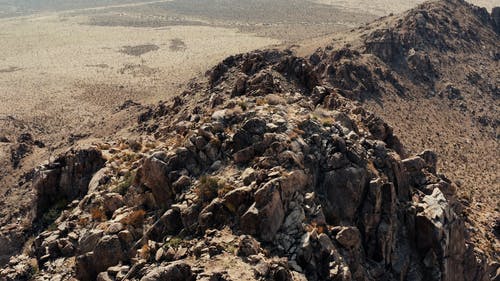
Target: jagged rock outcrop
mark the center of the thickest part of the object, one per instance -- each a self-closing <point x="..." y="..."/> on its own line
<point x="55" y="186"/>
<point x="65" y="179"/>
<point x="419" y="71"/>
<point x="303" y="170"/>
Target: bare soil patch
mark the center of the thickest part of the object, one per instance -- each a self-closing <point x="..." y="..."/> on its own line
<point x="177" y="44"/>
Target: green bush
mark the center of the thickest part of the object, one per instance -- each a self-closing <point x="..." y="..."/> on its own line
<point x="124" y="185"/>
<point x="207" y="189"/>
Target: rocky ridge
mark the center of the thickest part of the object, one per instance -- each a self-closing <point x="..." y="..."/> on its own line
<point x="432" y="74"/>
<point x="269" y="170"/>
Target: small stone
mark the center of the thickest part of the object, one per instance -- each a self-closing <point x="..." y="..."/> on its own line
<point x="173" y="272"/>
<point x="160" y="254"/>
<point x="255" y="126"/>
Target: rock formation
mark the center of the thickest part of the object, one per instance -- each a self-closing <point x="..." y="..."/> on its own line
<point x="269" y="170"/>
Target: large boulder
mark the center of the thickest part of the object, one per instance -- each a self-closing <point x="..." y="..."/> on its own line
<point x="154" y="175"/>
<point x="440" y="238"/>
<point x="65" y="179"/>
<point x="170" y="223"/>
<point x="107" y="252"/>
<point x="343" y="190"/>
<point x="173" y="272"/>
<point x="267" y="214"/>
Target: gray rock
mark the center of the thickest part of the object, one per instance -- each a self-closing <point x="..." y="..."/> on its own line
<point x="255" y="126"/>
<point x="294" y="181"/>
<point x="154" y="175"/>
<point x="270" y="210"/>
<point x="173" y="272"/>
<point x="237" y="198"/>
<point x="65" y="179"/>
<point x="248" y="176"/>
<point x="343" y="189"/>
<point x="88" y="240"/>
<point x="244" y="155"/>
<point x="495" y="16"/>
<point x="170" y="223"/>
<point x="111" y="202"/>
<point x="108" y="252"/>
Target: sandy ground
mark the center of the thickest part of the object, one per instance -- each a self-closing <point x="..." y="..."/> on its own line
<point x="57" y="73"/>
<point x="66" y="72"/>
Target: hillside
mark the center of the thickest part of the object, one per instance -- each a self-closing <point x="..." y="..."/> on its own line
<point x="373" y="157"/>
<point x="433" y="75"/>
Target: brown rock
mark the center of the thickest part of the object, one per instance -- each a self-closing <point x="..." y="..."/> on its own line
<point x="154" y="175"/>
<point x="244" y="155"/>
<point x="247" y="246"/>
<point x="349" y="237"/>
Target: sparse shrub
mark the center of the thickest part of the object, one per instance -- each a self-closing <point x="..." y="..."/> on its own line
<point x="135" y="219"/>
<point x="104" y="146"/>
<point x="53" y="213"/>
<point x="327" y="122"/>
<point x="260" y="101"/>
<point x="313" y="226"/>
<point x="135" y="145"/>
<point x="229" y="248"/>
<point x="32" y="270"/>
<point x="50" y="216"/>
<point x="124" y="186"/>
<point x="237" y="111"/>
<point x="208" y="188"/>
<point x="151" y="145"/>
<point x="145" y="252"/>
<point x="298" y="131"/>
<point x="83" y="221"/>
<point x="293" y="134"/>
<point x="52" y="227"/>
<point x="224" y="188"/>
<point x="243" y="105"/>
<point x="27" y="248"/>
<point x="127" y="157"/>
<point x="174" y="242"/>
<point x="273" y="99"/>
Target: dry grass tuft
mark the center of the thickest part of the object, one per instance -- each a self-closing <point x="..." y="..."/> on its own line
<point x="145" y="252"/>
<point x="98" y="214"/>
<point x="211" y="187"/>
<point x="135" y="219"/>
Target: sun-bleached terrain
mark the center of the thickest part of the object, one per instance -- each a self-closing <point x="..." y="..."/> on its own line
<point x="47" y="65"/>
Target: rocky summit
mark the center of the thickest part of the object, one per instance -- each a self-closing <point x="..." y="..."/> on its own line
<point x="271" y="167"/>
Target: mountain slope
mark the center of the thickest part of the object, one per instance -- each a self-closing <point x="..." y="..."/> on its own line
<point x="272" y="168"/>
<point x="433" y="75"/>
